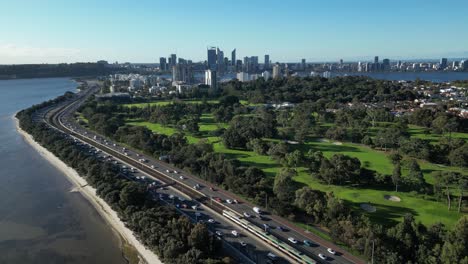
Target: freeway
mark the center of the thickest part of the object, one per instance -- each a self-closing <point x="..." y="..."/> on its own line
<point x="244" y="247"/>
<point x="207" y="193"/>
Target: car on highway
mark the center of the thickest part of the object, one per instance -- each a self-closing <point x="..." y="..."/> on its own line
<point x="152" y="166"/>
<point x="247" y="215"/>
<point x="212" y="189"/>
<point x="292" y="240"/>
<point x="168" y="171"/>
<point x="176" y="172"/>
<point x="234" y="233"/>
<point x="181" y="177"/>
<point x="218" y="199"/>
<point x="307" y="242"/>
<point x="322" y="256"/>
<point x="243" y="243"/>
<point x="219" y="233"/>
<point x="271" y="256"/>
<point x="282" y="228"/>
<point x="229" y="201"/>
<point x="211" y="221"/>
<point x="331" y="251"/>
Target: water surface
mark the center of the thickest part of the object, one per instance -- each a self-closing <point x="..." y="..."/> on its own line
<point x="41" y="221"/>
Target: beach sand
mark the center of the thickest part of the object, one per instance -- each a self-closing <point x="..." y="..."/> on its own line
<point x="80" y="184"/>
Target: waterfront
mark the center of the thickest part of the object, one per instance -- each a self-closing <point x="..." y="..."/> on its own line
<point x="41" y="220"/>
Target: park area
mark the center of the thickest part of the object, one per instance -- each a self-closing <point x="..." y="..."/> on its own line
<point x="373" y="201"/>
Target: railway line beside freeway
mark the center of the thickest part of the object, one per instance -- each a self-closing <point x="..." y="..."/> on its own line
<point x="305" y="247"/>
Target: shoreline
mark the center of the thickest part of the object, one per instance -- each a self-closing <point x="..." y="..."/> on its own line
<point x="79" y="184"/>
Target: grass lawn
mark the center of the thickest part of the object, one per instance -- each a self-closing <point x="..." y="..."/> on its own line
<point x="388" y="212"/>
<point x="416" y="131"/>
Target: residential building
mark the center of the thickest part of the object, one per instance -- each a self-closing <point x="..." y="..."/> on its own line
<point x="210" y="79"/>
<point x="276" y="71"/>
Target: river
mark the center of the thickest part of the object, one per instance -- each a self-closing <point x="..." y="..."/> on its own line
<point x="41" y="220"/>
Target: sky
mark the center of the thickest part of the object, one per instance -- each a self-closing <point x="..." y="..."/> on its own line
<point x="53" y="31"/>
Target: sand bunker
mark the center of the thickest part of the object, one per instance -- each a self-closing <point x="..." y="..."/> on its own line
<point x="392" y="198"/>
<point x="368" y="208"/>
<point x="337" y="143"/>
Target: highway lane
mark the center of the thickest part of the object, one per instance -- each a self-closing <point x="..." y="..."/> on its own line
<point x="252" y="249"/>
<point x="241" y="207"/>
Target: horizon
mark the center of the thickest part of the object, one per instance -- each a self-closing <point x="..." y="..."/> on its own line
<point x="55" y="32"/>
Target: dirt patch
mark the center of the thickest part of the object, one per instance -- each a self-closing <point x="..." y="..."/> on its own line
<point x="392" y="198"/>
<point x="368" y="208"/>
<point x="337" y="143"/>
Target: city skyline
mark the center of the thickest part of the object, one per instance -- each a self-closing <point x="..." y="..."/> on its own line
<point x="122" y="31"/>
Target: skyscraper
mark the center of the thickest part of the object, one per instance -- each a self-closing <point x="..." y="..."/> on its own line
<point x="276" y="71"/>
<point x="210" y="79"/>
<point x="386" y="64"/>
<point x="211" y="58"/>
<point x="376" y="59"/>
<point x="303" y="64"/>
<point x="233" y="57"/>
<point x="173" y="60"/>
<point x="443" y="63"/>
<point x="266" y="64"/>
<point x="220" y="60"/>
<point x="162" y="64"/>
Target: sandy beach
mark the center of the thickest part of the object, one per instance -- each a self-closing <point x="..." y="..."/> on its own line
<point x="80" y="184"/>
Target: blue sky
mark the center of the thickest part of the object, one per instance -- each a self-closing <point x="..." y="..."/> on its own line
<point x="141" y="31"/>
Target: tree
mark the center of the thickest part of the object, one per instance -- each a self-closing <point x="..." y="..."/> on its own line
<point x="199" y="237"/>
<point x="415" y="179"/>
<point x="311" y="201"/>
<point x="132" y="194"/>
<point x="462" y="186"/>
<point x="455" y="248"/>
<point x="294" y="159"/>
<point x="459" y="156"/>
<point x="396" y="175"/>
<point x="284" y="185"/>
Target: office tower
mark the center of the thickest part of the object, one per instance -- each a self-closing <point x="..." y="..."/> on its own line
<point x="210" y="79"/>
<point x="182" y="73"/>
<point x="254" y="64"/>
<point x="211" y="58"/>
<point x="443" y="63"/>
<point x="238" y="65"/>
<point x="226" y="62"/>
<point x="386" y="64"/>
<point x="246" y="66"/>
<point x="162" y="64"/>
<point x="220" y="60"/>
<point x="341" y="62"/>
<point x="243" y="77"/>
<point x="303" y="64"/>
<point x="173" y="59"/>
<point x="359" y="67"/>
<point x="233" y="57"/>
<point x="266" y="64"/>
<point x="276" y="71"/>
<point x="463" y="64"/>
<point x="376" y="59"/>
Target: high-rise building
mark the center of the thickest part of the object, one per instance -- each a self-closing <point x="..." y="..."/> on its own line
<point x="443" y="63"/>
<point x="211" y="58"/>
<point x="238" y="65"/>
<point x="182" y="73"/>
<point x="386" y="64"/>
<point x="243" y="77"/>
<point x="162" y="64"/>
<point x="303" y="64"/>
<point x="266" y="64"/>
<point x="276" y="71"/>
<point x="173" y="60"/>
<point x="210" y="79"/>
<point x="220" y="60"/>
<point x="376" y="59"/>
<point x="359" y="67"/>
<point x="233" y="57"/>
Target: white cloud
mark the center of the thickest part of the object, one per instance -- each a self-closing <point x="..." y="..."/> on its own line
<point x="14" y="54"/>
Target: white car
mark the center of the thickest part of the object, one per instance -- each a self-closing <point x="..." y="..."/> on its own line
<point x="218" y="233"/>
<point x="176" y="172"/>
<point x="247" y="215"/>
<point x="243" y="243"/>
<point x="292" y="240"/>
<point x="331" y="251"/>
<point x="322" y="256"/>
<point x="181" y="177"/>
<point x="152" y="166"/>
<point x="229" y="201"/>
<point x="168" y="171"/>
<point x="234" y="233"/>
<point x="211" y="221"/>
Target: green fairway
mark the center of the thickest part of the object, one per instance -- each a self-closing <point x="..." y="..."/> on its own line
<point x="419" y="132"/>
<point x="428" y="211"/>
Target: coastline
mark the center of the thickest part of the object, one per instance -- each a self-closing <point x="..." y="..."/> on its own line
<point x="80" y="184"/>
